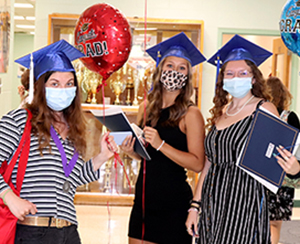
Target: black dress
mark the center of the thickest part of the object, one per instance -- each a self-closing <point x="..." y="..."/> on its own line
<point x="281" y="204"/>
<point x="167" y="194"/>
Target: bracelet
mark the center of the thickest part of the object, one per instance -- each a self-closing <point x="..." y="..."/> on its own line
<point x="197" y="202"/>
<point x="194" y="202"/>
<point x="5" y="195"/>
<point x="194" y="206"/>
<point x="163" y="142"/>
<point x="193" y="209"/>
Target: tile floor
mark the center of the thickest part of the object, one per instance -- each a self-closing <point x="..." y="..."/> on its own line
<point x="96" y="228"/>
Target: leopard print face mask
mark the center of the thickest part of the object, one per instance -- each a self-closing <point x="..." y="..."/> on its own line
<point x="173" y="80"/>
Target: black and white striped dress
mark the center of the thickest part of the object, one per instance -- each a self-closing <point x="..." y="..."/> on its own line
<point x="44" y="176"/>
<point x="234" y="209"/>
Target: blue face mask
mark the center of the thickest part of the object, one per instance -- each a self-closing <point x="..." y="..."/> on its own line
<point x="238" y="87"/>
<point x="60" y="98"/>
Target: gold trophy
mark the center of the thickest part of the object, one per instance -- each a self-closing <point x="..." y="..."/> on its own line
<point x="118" y="86"/>
<point x="107" y="176"/>
<point x="129" y="86"/>
<point x="85" y="86"/>
<point x="136" y="87"/>
<point x="95" y="80"/>
<point x="79" y="68"/>
<point x="147" y="79"/>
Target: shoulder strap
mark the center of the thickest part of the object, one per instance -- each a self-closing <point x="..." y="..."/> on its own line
<point x="23" y="151"/>
<point x="284" y="115"/>
<point x="261" y="102"/>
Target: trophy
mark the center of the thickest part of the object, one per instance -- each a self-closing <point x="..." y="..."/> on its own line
<point x="129" y="86"/>
<point x="79" y="68"/>
<point x="85" y="86"/>
<point x="95" y="80"/>
<point x="118" y="86"/>
<point x="107" y="175"/>
<point x="136" y="87"/>
<point x="147" y="79"/>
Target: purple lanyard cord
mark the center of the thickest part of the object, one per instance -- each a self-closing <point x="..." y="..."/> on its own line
<point x="68" y="167"/>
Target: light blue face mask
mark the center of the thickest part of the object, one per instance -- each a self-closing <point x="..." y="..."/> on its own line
<point x="60" y="98"/>
<point x="238" y="87"/>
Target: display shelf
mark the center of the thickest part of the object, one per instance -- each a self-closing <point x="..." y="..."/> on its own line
<point x="126" y="109"/>
<point x="95" y="198"/>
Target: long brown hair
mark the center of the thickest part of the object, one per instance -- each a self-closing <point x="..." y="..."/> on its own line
<point x="182" y="101"/>
<point x="281" y="97"/>
<point x="43" y="116"/>
<point x="222" y="97"/>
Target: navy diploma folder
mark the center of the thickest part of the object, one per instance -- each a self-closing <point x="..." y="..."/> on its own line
<point x="115" y="120"/>
<point x="266" y="133"/>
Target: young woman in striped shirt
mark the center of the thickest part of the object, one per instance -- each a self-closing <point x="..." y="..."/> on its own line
<point x="55" y="166"/>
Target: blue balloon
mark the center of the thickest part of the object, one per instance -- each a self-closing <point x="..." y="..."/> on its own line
<point x="290" y="25"/>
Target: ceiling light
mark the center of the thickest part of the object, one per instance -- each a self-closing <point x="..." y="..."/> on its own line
<point x="30" y="18"/>
<point x="19" y="17"/>
<point x="25" y="26"/>
<point x="32" y="33"/>
<point x="23" y="5"/>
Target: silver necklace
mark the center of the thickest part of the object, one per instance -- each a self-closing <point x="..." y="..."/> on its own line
<point x="228" y="114"/>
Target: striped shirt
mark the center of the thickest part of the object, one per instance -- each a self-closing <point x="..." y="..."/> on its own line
<point x="234" y="205"/>
<point x="44" y="175"/>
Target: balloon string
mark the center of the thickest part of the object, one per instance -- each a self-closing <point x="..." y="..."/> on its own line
<point x="101" y="86"/>
<point x="117" y="159"/>
<point x="145" y="32"/>
<point x="144" y="161"/>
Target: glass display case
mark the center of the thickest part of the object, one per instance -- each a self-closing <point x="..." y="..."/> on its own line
<point x="125" y="88"/>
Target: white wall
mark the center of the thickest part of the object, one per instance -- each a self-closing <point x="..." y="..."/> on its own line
<point x="240" y="14"/>
<point x="23" y="44"/>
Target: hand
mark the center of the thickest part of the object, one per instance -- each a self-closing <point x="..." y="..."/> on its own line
<point x="108" y="146"/>
<point x="151" y="135"/>
<point x="18" y="206"/>
<point x="127" y="145"/>
<point x="21" y="90"/>
<point x="287" y="161"/>
<point x="191" y="223"/>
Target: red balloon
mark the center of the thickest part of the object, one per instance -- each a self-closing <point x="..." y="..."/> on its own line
<point x="103" y="34"/>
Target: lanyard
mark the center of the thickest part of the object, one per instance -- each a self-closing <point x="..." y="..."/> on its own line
<point x="68" y="167"/>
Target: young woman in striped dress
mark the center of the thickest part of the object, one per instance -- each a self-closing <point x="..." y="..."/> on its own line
<point x="55" y="166"/>
<point x="233" y="204"/>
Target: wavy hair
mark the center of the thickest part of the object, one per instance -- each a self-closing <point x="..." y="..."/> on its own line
<point x="43" y="117"/>
<point x="154" y="103"/>
<point x="281" y="97"/>
<point x="222" y="97"/>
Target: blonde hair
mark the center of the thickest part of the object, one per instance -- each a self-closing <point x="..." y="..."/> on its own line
<point x="154" y="104"/>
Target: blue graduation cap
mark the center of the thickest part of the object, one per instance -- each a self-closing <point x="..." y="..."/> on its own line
<point x="54" y="57"/>
<point x="238" y="48"/>
<point x="179" y="46"/>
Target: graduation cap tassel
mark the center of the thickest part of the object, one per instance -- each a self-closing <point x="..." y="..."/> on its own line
<point x="158" y="58"/>
<point x="218" y="67"/>
<point x="31" y="82"/>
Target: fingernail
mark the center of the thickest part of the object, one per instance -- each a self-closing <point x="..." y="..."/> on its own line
<point x="281" y="147"/>
<point x="274" y="155"/>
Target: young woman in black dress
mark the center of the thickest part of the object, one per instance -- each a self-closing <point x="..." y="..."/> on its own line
<point x="175" y="133"/>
